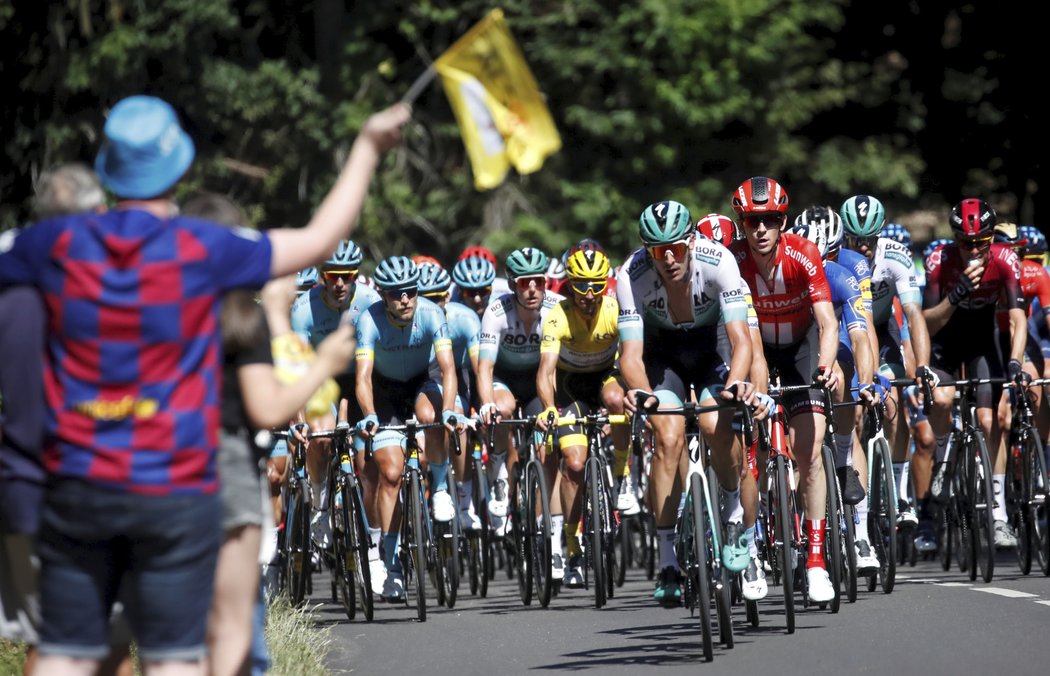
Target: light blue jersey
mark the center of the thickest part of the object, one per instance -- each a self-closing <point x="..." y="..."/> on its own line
<point x="464" y="329"/>
<point x="313" y="319"/>
<point x="402" y="353"/>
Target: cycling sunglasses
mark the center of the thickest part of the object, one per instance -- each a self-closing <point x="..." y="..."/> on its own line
<point x="974" y="242"/>
<point x="855" y="243"/>
<point x="772" y="221"/>
<point x="582" y="287"/>
<point x="395" y="294"/>
<point x="525" y="283"/>
<point x="477" y="291"/>
<point x="677" y="249"/>
<point x="345" y="275"/>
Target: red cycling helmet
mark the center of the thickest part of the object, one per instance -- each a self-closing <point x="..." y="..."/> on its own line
<point x="759" y="194"/>
<point x="718" y="228"/>
<point x="972" y="218"/>
<point x="420" y="259"/>
<point x="478" y="251"/>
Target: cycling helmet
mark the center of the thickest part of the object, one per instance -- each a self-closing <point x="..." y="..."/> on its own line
<point x="588" y="264"/>
<point x="307" y="277"/>
<point x="556" y="269"/>
<point x="396" y="272"/>
<point x="433" y="279"/>
<point x="813" y="233"/>
<point x="478" y="251"/>
<point x="346" y="255"/>
<point x="1009" y="234"/>
<point x="664" y="222"/>
<point x="718" y="228"/>
<point x="972" y="218"/>
<point x="759" y="194"/>
<point x="420" y="259"/>
<point x="526" y="261"/>
<point x="823" y="217"/>
<point x="933" y="246"/>
<point x="473" y="273"/>
<point x="1036" y="246"/>
<point x="862" y="216"/>
<point x="896" y="232"/>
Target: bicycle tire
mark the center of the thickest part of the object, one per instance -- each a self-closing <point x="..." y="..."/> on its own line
<point x="849" y="544"/>
<point x="781" y="533"/>
<point x="984" y="518"/>
<point x="362" y="543"/>
<point x="447" y="537"/>
<point x="1016" y="491"/>
<point x="882" y="517"/>
<point x="297" y="534"/>
<point x="414" y="545"/>
<point x="697" y="566"/>
<point x="520" y="535"/>
<point x="1039" y="502"/>
<point x="832" y="526"/>
<point x="540" y="533"/>
<point x="624" y="553"/>
<point x="649" y="538"/>
<point x="486" y="570"/>
<point x="343" y="549"/>
<point x="593" y="529"/>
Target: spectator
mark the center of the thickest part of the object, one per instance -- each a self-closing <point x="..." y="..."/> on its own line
<point x="132" y="366"/>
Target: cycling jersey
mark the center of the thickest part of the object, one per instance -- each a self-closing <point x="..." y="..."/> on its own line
<point x="892" y="274"/>
<point x="313" y="319"/>
<point x="785" y="305"/>
<point x="857" y="264"/>
<point x="846" y="298"/>
<point x="583" y="346"/>
<point x="464" y="330"/>
<point x="506" y="341"/>
<point x="1035" y="284"/>
<point x="719" y="294"/>
<point x="402" y="353"/>
<point x="1001" y="282"/>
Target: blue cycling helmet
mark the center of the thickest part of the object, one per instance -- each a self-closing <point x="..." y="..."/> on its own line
<point x="396" y="272"/>
<point x="433" y="279"/>
<point x="896" y="232"/>
<point x="474" y="272"/>
<point x="306" y="278"/>
<point x="346" y="255"/>
<point x="1036" y="246"/>
<point x="933" y="246"/>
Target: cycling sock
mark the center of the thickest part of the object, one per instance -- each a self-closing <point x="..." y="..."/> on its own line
<point x="439" y="471"/>
<point x="557" y="528"/>
<point x="843" y="449"/>
<point x="815" y="531"/>
<point x="862" y="519"/>
<point x="391" y="541"/>
<point x="499" y="466"/>
<point x="941" y="450"/>
<point x="999" y="510"/>
<point x="752" y="547"/>
<point x="900" y="475"/>
<point x="375" y="535"/>
<point x="732" y="510"/>
<point x="620" y="467"/>
<point x="466" y="494"/>
<point x="665" y="536"/>
<point x="319" y="492"/>
<point x="572" y="539"/>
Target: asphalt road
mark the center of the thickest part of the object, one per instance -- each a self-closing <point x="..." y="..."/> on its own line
<point x="933" y="623"/>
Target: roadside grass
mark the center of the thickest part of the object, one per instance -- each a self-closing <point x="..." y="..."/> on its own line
<point x="298" y="647"/>
<point x="11" y="657"/>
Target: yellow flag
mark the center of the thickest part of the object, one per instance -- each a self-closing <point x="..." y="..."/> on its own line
<point x="501" y="113"/>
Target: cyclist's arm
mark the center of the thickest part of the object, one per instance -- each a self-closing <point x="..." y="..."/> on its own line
<point x="759" y="366"/>
<point x="862" y="356"/>
<point x="545" y="378"/>
<point x="920" y="335"/>
<point x="632" y="367"/>
<point x="828" y="326"/>
<point x="363" y="383"/>
<point x="449" y="386"/>
<point x="1018" y="333"/>
<point x="486" y="392"/>
<point x="740" y="344"/>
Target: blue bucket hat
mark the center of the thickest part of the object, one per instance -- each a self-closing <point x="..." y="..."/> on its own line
<point x="145" y="151"/>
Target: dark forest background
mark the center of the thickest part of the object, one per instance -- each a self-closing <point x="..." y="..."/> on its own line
<point x="920" y="104"/>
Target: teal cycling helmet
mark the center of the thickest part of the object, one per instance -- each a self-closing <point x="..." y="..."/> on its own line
<point x="396" y="272"/>
<point x="474" y="272"/>
<point x="433" y="279"/>
<point x="664" y="222"/>
<point x="862" y="216"/>
<point x="525" y="262"/>
<point x="306" y="278"/>
<point x="346" y="254"/>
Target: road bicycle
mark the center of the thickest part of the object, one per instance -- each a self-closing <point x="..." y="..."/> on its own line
<point x="295" y="546"/>
<point x="1027" y="492"/>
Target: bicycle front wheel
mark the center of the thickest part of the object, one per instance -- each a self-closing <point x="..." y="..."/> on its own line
<point x="849" y="548"/>
<point x="782" y="534"/>
<point x="521" y="535"/>
<point x="832" y="527"/>
<point x="593" y="529"/>
<point x="448" y="536"/>
<point x="1038" y="502"/>
<point x="414" y="545"/>
<point x="882" y="517"/>
<point x="297" y="541"/>
<point x="982" y="504"/>
<point x="698" y="568"/>
<point x="539" y="531"/>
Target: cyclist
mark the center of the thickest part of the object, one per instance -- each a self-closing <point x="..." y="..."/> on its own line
<point x="855" y="365"/>
<point x="674" y="294"/>
<point x="1038" y="321"/>
<point x="499" y="284"/>
<point x="464" y="329"/>
<point x="307" y="279"/>
<point x="511" y="331"/>
<point x="577" y="376"/>
<point x="892" y="275"/>
<point x="315" y="314"/>
<point x="964" y="281"/>
<point x="474" y="277"/>
<point x="395" y="339"/>
<point x="800" y="333"/>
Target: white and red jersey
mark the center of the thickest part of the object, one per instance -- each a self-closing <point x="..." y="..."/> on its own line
<point x="784" y="304"/>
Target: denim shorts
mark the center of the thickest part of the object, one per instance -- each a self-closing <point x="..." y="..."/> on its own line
<point x="163" y="548"/>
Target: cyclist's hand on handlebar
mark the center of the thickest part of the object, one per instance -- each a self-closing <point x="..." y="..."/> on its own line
<point x="366" y="426"/>
<point x="739" y="390"/>
<point x="649" y="401"/>
<point x="453" y="421"/>
<point x="300" y="432"/>
<point x="762" y="405"/>
<point x="926" y="373"/>
<point x="541" y="419"/>
<point x="868" y="394"/>
<point x="1017" y="373"/>
<point x="489" y="413"/>
<point x="825" y="377"/>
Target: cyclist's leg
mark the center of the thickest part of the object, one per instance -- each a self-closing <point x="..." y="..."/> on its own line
<point x="612" y="394"/>
<point x="988" y="401"/>
<point x="727" y="459"/>
<point x="427" y="409"/>
<point x="573" y="457"/>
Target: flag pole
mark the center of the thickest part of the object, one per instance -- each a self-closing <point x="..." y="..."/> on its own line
<point x="419" y="85"/>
